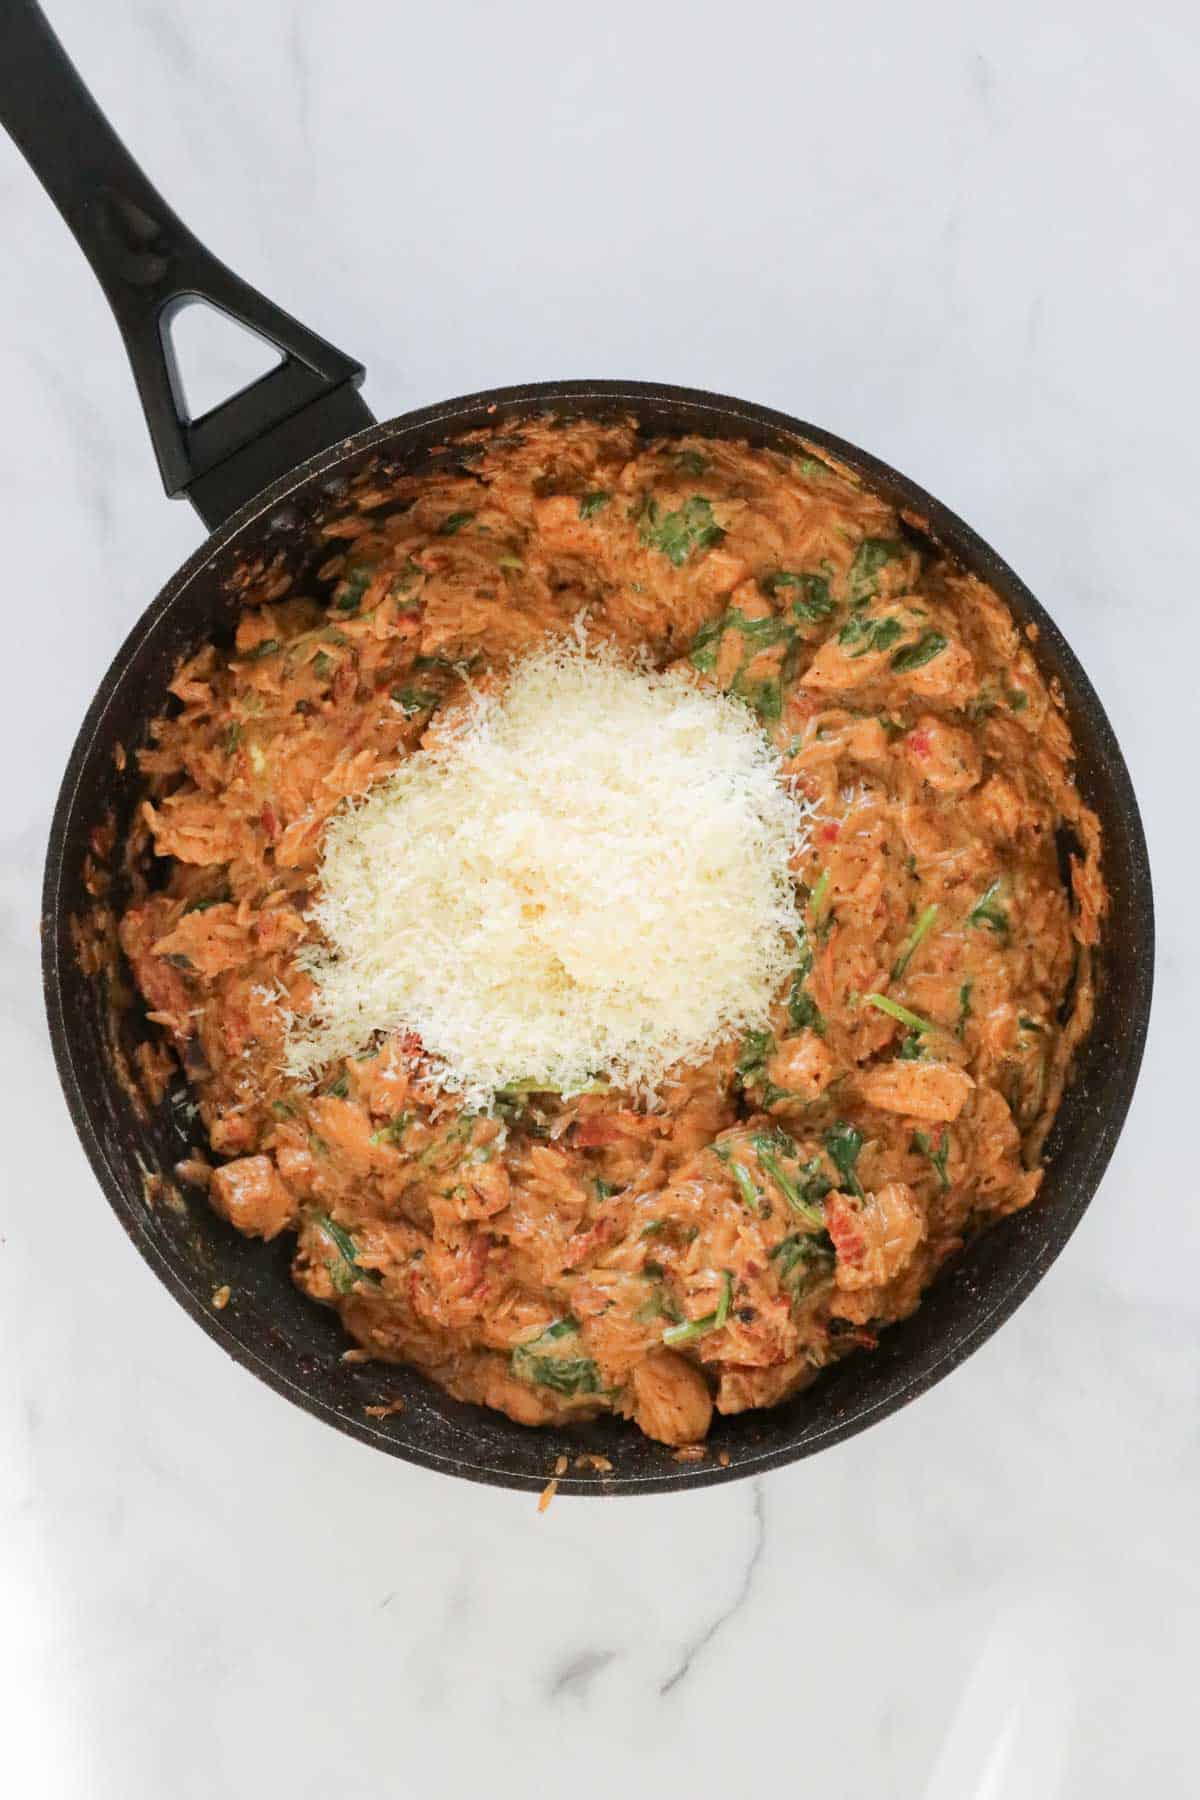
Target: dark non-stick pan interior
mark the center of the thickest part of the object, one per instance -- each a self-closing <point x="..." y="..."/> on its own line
<point x="295" y="1345"/>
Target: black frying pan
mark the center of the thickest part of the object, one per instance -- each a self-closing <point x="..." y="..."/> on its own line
<point x="260" y="469"/>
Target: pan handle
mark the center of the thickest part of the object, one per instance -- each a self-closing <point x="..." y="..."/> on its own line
<point x="150" y="266"/>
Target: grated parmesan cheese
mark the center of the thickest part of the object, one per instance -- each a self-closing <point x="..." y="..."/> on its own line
<point x="587" y="875"/>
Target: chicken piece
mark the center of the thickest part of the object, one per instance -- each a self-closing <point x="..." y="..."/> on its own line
<point x="230" y="1132"/>
<point x="842" y="664"/>
<point x="949" y="676"/>
<point x="943" y="755"/>
<point x="476" y="1190"/>
<point x="600" y="1129"/>
<point x="672" y="1401"/>
<point x="998" y="808"/>
<point x="875" y="1239"/>
<point x="249" y="1017"/>
<point x="164" y="990"/>
<point x="297" y="1167"/>
<point x="454" y="1283"/>
<point x="802" y="1065"/>
<point x="260" y="625"/>
<point x="995" y="1142"/>
<point x="277" y="928"/>
<point x="740" y="1388"/>
<point x="345" y="1129"/>
<point x="749" y="600"/>
<point x="703" y="1108"/>
<point x="495" y="1386"/>
<point x="383" y="1083"/>
<point x="251" y="1196"/>
<point x="549" y="1203"/>
<point x="940" y="840"/>
<point x="858" y="867"/>
<point x="917" y="1090"/>
<point x="865" y="740"/>
<point x="487" y="1183"/>
<point x="208" y="941"/>
<point x="717" y="572"/>
<point x="193" y="828"/>
<point x="560" y="527"/>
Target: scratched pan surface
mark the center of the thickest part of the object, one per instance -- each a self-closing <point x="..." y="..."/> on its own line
<point x="294" y="1345"/>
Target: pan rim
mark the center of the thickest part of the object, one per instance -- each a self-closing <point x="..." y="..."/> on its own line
<point x="964" y="543"/>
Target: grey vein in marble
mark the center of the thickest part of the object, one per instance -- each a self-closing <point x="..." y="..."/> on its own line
<point x="575" y="1676"/>
<point x="704" y="1640"/>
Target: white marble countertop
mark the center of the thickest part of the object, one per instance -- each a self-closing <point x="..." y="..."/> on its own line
<point x="965" y="237"/>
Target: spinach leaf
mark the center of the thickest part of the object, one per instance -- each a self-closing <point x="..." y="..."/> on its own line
<point x="743" y="1180"/>
<point x="816" y="905"/>
<point x="894" y="1010"/>
<point x="871" y="556"/>
<point x="344" y="1270"/>
<point x="801" y="1198"/>
<point x="938" y="1154"/>
<point x="454" y="523"/>
<point x="751" y="1067"/>
<point x="803" y="1010"/>
<point x="393" y="1132"/>
<point x="813" y="1182"/>
<point x="404" y="579"/>
<point x="920" y="930"/>
<point x="915" y="656"/>
<point x="810" y="596"/>
<point x="591" y="504"/>
<point x="659" y="1305"/>
<point x="760" y="634"/>
<point x="756" y="635"/>
<point x="195" y="906"/>
<point x="988" y="911"/>
<point x="533" y="1084"/>
<point x="691" y="1329"/>
<point x="691" y="462"/>
<point x="804" y="1263"/>
<point x="843" y="1143"/>
<point x="348" y="595"/>
<point x="757" y="1046"/>
<point x="763" y="693"/>
<point x="869" y="634"/>
<point x="707" y="643"/>
<point x="680" y="534"/>
<point x="964" y="1006"/>
<point x="413" y="700"/>
<point x="541" y="1363"/>
<point x="765" y="697"/>
<point x="776" y="1139"/>
<point x="268" y="647"/>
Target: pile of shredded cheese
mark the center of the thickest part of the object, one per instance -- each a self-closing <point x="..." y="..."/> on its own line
<point x="587" y="876"/>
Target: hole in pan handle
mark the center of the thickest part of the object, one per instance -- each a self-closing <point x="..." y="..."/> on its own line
<point x="150" y="265"/>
